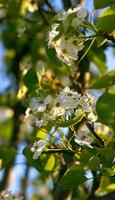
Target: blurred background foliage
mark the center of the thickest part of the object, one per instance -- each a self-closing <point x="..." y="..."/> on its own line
<point x="30" y="68"/>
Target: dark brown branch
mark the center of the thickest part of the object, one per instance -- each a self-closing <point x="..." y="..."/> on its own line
<point x="42" y="15"/>
<point x="107" y="36"/>
<point x="91" y="128"/>
<point x="66" y="4"/>
<point x="50" y="7"/>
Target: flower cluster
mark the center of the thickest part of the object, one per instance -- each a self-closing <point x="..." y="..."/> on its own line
<point x="64" y="106"/>
<point x="6" y="195"/>
<point x="83" y="139"/>
<point x="37" y="148"/>
<point x="67" y="44"/>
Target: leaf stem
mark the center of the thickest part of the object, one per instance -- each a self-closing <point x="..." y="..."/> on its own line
<point x="87" y="50"/>
<point x="67" y="151"/>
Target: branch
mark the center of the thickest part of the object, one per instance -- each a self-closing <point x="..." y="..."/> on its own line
<point x="107" y="36"/>
<point x="50" y="7"/>
<point x="42" y="15"/>
<point x="66" y="4"/>
<point x="91" y="128"/>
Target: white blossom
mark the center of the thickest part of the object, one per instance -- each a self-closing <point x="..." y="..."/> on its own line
<point x="79" y="11"/>
<point x="87" y="102"/>
<point x="37" y="148"/>
<point x="47" y="100"/>
<point x="66" y="51"/>
<point x="67" y="102"/>
<point x="57" y="111"/>
<point x="82" y="13"/>
<point x="83" y="139"/>
<point x="7" y="195"/>
<point x="92" y="117"/>
<point x="39" y="104"/>
<point x="52" y="34"/>
<point x="68" y="98"/>
<point x="27" y="113"/>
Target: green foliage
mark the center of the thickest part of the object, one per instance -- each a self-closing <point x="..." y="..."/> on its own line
<point x="97" y="56"/>
<point x="94" y="163"/>
<point x="31" y="79"/>
<point x="105" y="107"/>
<point x="102" y="4"/>
<point x="104" y="81"/>
<point x="45" y="164"/>
<point x="106" y="156"/>
<point x="6" y="130"/>
<point x="106" y="20"/>
<point x="6" y="155"/>
<point x="73" y="177"/>
<point x="106" y="186"/>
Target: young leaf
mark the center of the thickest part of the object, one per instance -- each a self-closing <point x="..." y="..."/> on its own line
<point x="94" y="163"/>
<point x="105" y="107"/>
<point x="103" y="3"/>
<point x="73" y="177"/>
<point x="44" y="164"/>
<point x="71" y="122"/>
<point x="6" y="154"/>
<point x="107" y="156"/>
<point x="106" y="20"/>
<point x="104" y="81"/>
<point x="31" y="79"/>
<point x="50" y="163"/>
<point x="97" y="56"/>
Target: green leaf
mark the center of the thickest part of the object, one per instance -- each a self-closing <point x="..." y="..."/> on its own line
<point x="44" y="164"/>
<point x="41" y="133"/>
<point x="105" y="107"/>
<point x="71" y="122"/>
<point x="50" y="163"/>
<point x="73" y="177"/>
<point x="107" y="156"/>
<point x="106" y="20"/>
<point x="101" y="40"/>
<point x="104" y="81"/>
<point x="35" y="163"/>
<point x="86" y="155"/>
<point x="98" y="4"/>
<point x="52" y="57"/>
<point x="94" y="163"/>
<point x="6" y="129"/>
<point x="6" y="154"/>
<point x="105" y="186"/>
<point x="97" y="56"/>
<point x="31" y="79"/>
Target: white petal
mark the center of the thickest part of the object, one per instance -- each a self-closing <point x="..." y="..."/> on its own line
<point x="32" y="149"/>
<point x="27" y="112"/>
<point x="41" y="143"/>
<point x="41" y="108"/>
<point x="37" y="154"/>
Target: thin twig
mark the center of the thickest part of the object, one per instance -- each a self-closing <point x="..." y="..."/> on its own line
<point x="87" y="50"/>
<point x="43" y="16"/>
